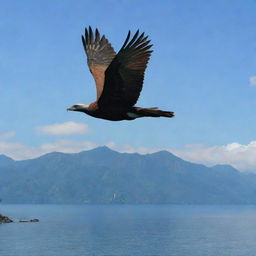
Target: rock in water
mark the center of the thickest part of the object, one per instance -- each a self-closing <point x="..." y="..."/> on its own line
<point x="33" y="220"/>
<point x="4" y="219"/>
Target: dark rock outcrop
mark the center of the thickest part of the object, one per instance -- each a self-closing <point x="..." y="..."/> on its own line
<point x="4" y="219"/>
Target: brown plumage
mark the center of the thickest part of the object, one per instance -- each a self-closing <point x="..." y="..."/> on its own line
<point x="118" y="77"/>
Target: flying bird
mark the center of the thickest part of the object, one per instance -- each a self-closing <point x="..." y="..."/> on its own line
<point x="118" y="77"/>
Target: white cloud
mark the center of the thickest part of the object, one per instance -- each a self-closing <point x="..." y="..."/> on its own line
<point x="67" y="128"/>
<point x="7" y="135"/>
<point x="242" y="157"/>
<point x="252" y="80"/>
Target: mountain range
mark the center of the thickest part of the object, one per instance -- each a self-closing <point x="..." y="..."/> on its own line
<point x="102" y="175"/>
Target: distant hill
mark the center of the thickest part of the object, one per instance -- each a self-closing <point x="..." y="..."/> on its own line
<point x="102" y="175"/>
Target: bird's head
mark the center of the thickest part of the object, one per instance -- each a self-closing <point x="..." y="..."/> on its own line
<point x="79" y="107"/>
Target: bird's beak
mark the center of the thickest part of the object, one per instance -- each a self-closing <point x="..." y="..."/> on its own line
<point x="70" y="109"/>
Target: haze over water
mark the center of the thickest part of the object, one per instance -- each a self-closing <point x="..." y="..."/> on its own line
<point x="143" y="230"/>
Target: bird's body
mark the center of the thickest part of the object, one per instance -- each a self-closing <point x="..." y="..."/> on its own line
<point x="111" y="114"/>
<point x="118" y="77"/>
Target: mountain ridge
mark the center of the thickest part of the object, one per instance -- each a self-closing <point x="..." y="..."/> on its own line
<point x="103" y="175"/>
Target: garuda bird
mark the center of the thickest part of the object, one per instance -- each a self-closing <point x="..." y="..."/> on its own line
<point x="118" y="77"/>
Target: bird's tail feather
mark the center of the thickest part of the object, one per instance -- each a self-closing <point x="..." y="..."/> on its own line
<point x="153" y="112"/>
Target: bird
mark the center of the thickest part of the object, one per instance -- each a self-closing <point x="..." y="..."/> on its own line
<point x="118" y="77"/>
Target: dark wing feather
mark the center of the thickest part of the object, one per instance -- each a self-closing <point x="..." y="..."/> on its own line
<point x="124" y="76"/>
<point x="99" y="55"/>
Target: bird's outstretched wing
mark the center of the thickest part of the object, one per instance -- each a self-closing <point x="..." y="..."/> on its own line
<point x="99" y="55"/>
<point x="125" y="74"/>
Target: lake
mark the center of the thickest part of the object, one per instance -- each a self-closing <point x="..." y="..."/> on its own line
<point x="129" y="230"/>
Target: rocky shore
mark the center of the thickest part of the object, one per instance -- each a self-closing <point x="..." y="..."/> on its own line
<point x="4" y="219"/>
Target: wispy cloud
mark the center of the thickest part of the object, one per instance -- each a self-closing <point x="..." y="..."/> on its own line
<point x="67" y="128"/>
<point x="7" y="135"/>
<point x="20" y="151"/>
<point x="252" y="81"/>
<point x="127" y="148"/>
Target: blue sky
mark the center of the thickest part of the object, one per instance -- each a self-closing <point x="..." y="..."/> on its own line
<point x="204" y="58"/>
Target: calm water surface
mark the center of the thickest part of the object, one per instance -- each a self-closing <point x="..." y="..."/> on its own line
<point x="129" y="230"/>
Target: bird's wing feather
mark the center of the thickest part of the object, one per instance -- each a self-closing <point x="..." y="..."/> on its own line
<point x="99" y="55"/>
<point x="124" y="76"/>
